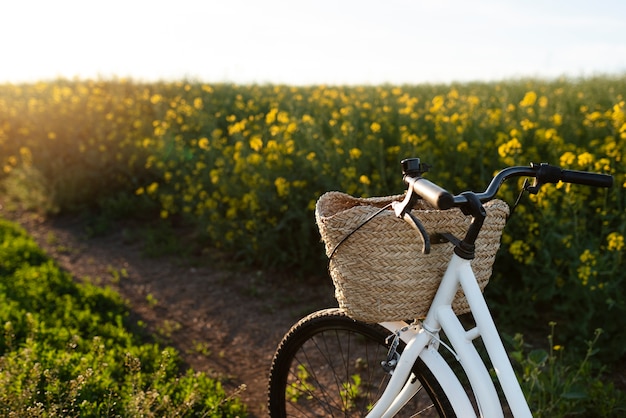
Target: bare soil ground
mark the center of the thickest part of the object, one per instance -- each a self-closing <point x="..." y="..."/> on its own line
<point x="223" y="321"/>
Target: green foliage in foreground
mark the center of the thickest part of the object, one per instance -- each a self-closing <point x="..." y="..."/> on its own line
<point x="557" y="385"/>
<point x="65" y="351"/>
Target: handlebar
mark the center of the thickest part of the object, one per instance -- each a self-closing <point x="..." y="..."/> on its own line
<point x="543" y="174"/>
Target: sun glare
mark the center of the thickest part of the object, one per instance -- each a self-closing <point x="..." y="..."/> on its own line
<point x="302" y="42"/>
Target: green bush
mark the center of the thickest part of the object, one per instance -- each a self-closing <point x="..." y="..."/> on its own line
<point x="65" y="349"/>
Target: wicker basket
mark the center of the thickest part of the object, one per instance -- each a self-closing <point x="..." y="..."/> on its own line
<point x="379" y="272"/>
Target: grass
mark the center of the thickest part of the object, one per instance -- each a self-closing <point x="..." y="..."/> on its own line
<point x="66" y="349"/>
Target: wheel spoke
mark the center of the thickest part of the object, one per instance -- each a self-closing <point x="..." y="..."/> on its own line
<point x="330" y="365"/>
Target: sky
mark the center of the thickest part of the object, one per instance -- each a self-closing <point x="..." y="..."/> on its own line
<point x="302" y="42"/>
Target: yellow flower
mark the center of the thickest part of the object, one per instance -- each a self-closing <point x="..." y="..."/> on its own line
<point x="594" y="116"/>
<point x="511" y="147"/>
<point x="521" y="251"/>
<point x="587" y="257"/>
<point x="473" y="100"/>
<point x="603" y="164"/>
<point x="616" y="241"/>
<point x="271" y="116"/>
<point x="237" y="127"/>
<point x="355" y="153"/>
<point x="291" y="127"/>
<point x="203" y="143"/>
<point x="231" y="212"/>
<point x="282" y="186"/>
<point x="437" y="104"/>
<point x="527" y="124"/>
<point x="584" y="272"/>
<point x="256" y="143"/>
<point x="152" y="188"/>
<point x="215" y="176"/>
<point x="585" y="159"/>
<point x="26" y="154"/>
<point x="254" y="159"/>
<point x="529" y="99"/>
<point x="274" y="130"/>
<point x="364" y="180"/>
<point x="567" y="158"/>
<point x="250" y="225"/>
<point x="282" y="117"/>
<point x="375" y="127"/>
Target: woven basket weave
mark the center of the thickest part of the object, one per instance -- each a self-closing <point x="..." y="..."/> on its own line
<point x="379" y="271"/>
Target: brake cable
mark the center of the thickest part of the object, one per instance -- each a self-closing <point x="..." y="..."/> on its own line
<point x="381" y="210"/>
<point x="525" y="188"/>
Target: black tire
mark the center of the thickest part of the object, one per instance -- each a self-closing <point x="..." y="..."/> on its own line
<point x="329" y="365"/>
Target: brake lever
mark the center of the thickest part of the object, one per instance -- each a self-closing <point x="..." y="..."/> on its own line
<point x="534" y="189"/>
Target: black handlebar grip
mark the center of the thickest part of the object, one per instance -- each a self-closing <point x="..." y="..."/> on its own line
<point x="433" y="194"/>
<point x="586" y="178"/>
<point x="552" y="174"/>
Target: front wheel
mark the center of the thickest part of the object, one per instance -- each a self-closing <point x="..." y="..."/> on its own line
<point x="329" y="365"/>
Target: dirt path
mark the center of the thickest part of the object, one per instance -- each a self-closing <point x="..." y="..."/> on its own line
<point x="225" y="322"/>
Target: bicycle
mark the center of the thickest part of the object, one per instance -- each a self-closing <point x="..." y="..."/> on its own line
<point x="330" y="364"/>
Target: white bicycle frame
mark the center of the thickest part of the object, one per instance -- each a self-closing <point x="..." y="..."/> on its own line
<point x="423" y="342"/>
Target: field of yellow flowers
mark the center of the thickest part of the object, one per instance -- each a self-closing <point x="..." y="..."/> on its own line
<point x="245" y="165"/>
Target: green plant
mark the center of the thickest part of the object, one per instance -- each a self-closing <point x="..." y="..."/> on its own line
<point x="351" y="391"/>
<point x="117" y="275"/>
<point x="557" y="386"/>
<point x="152" y="301"/>
<point x="168" y="327"/>
<point x="26" y="188"/>
<point x="200" y="347"/>
<point x="301" y="386"/>
<point x="66" y="349"/>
